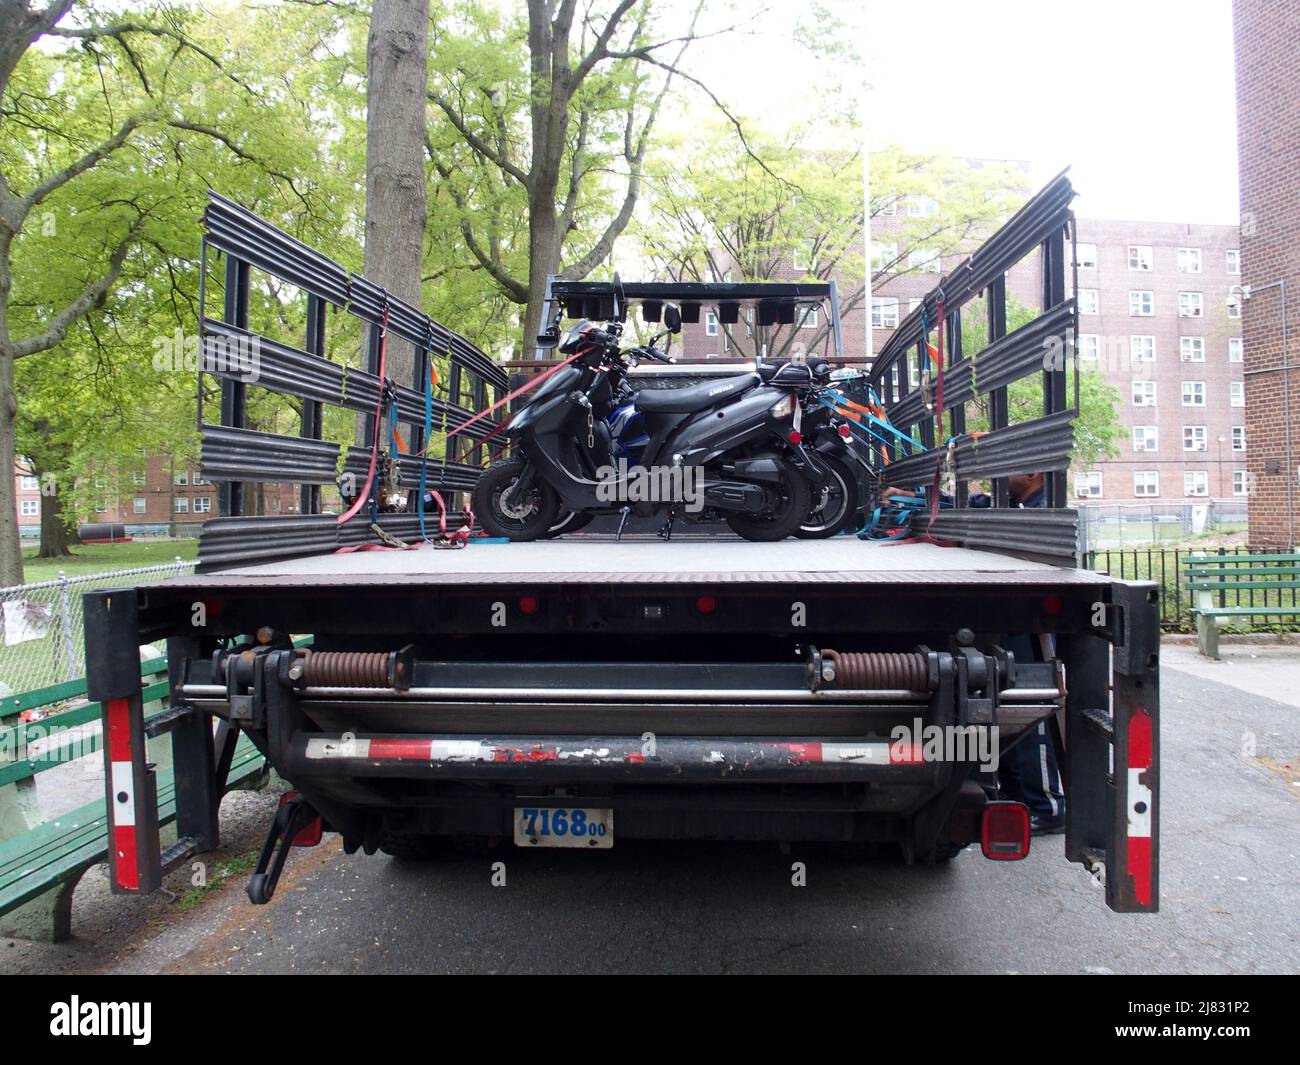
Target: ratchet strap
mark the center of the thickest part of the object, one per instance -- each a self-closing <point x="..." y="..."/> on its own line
<point x="360" y="500"/>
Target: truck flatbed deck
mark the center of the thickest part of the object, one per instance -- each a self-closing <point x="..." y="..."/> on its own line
<point x="592" y="561"/>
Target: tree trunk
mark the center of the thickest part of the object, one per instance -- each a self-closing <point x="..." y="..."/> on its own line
<point x="56" y="537"/>
<point x="11" y="556"/>
<point x="543" y="259"/>
<point x="397" y="54"/>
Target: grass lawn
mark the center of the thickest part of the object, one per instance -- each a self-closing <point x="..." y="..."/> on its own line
<point x="99" y="558"/>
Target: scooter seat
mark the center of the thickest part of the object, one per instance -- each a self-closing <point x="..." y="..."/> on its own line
<point x="697" y="397"/>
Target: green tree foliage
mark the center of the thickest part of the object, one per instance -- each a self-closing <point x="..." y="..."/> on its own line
<point x="111" y="131"/>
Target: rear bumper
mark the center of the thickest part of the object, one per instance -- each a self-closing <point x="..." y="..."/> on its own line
<point x="558" y="759"/>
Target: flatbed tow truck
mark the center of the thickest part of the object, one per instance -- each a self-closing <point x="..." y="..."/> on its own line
<point x="583" y="691"/>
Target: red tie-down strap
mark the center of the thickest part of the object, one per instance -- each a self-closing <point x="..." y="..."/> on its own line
<point x="364" y="494"/>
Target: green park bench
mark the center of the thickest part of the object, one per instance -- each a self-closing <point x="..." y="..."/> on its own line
<point x="1245" y="576"/>
<point x="41" y="866"/>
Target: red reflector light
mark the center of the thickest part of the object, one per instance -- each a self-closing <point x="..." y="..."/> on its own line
<point x="706" y="604"/>
<point x="1004" y="831"/>
<point x="1052" y="604"/>
<point x="845" y="431"/>
<point x="528" y="604"/>
<point x="795" y="437"/>
<point x="310" y="834"/>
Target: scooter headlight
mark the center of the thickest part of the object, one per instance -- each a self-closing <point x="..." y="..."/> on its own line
<point x="783" y="407"/>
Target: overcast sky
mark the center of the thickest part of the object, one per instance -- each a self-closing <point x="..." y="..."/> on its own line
<point x="1135" y="96"/>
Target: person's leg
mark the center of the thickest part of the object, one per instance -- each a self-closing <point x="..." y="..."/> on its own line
<point x="1039" y="778"/>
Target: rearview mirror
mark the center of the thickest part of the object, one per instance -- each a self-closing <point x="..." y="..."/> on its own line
<point x="673" y="318"/>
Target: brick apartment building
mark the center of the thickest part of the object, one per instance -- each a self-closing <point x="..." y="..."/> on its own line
<point x="1155" y="317"/>
<point x="1266" y="41"/>
<point x="160" y="495"/>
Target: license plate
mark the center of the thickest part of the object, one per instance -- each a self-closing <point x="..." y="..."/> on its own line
<point x="563" y="826"/>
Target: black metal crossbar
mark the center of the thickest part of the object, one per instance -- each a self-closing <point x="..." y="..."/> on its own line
<point x="907" y="384"/>
<point x="233" y="453"/>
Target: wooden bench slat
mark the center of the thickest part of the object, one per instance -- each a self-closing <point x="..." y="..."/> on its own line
<point x="1246" y="611"/>
<point x="84" y="745"/>
<point x="87" y="843"/>
<point x="1238" y="559"/>
<point x="1227" y="585"/>
<point x="1225" y="576"/>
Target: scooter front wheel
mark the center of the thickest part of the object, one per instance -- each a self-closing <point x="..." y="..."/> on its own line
<point x="523" y="515"/>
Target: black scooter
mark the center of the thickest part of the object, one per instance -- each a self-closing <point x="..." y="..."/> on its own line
<point x="726" y="448"/>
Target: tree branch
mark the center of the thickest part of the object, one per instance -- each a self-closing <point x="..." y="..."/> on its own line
<point x="475" y="142"/>
<point x="90" y="295"/>
<point x="80" y="166"/>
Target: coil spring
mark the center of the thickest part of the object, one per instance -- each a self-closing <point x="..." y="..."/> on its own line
<point x="879" y="669"/>
<point x="346" y="669"/>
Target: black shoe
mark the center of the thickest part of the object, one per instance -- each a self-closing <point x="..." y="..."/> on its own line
<point x="1046" y="826"/>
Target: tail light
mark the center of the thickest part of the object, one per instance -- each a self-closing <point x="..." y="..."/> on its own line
<point x="310" y="834"/>
<point x="1004" y="831"/>
<point x="844" y="431"/>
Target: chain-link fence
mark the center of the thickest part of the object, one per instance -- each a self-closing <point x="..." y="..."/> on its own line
<point x="43" y="639"/>
<point x="1118" y="524"/>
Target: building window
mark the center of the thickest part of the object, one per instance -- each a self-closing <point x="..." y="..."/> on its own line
<point x="914" y="303"/>
<point x="885" y="208"/>
<point x="802" y="258"/>
<point x="1193" y="393"/>
<point x="1142" y="348"/>
<point x="183" y="477"/>
<point x="182" y="505"/>
<point x="808" y="318"/>
<point x="1234" y="261"/>
<point x="101" y="507"/>
<point x="139" y="505"/>
<point x="29" y="508"/>
<point x="138" y="477"/>
<point x="1193" y="438"/>
<point x="884" y="256"/>
<point x="1238" y="438"/>
<point x="1234" y="308"/>
<point x="1146" y="438"/>
<point x="1088" y="301"/>
<point x="1085" y="256"/>
<point x="1141" y="303"/>
<point x="1146" y="483"/>
<point x="1139" y="257"/>
<point x="1088" y="485"/>
<point x="1235" y="350"/>
<point x="1089" y="347"/>
<point x="1240" y="481"/>
<point x="101" y="482"/>
<point x="29" y="483"/>
<point x="1191" y="305"/>
<point x="1237" y="394"/>
<point x="1189" y="260"/>
<point x="1191" y="349"/>
<point x="924" y="261"/>
<point x="710" y="324"/>
<point x="202" y="504"/>
<point x="1196" y="483"/>
<point x="921" y="207"/>
<point x="884" y="313"/>
<point x="1144" y="393"/>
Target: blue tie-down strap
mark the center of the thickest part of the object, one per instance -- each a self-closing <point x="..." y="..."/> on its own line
<point x="893" y="520"/>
